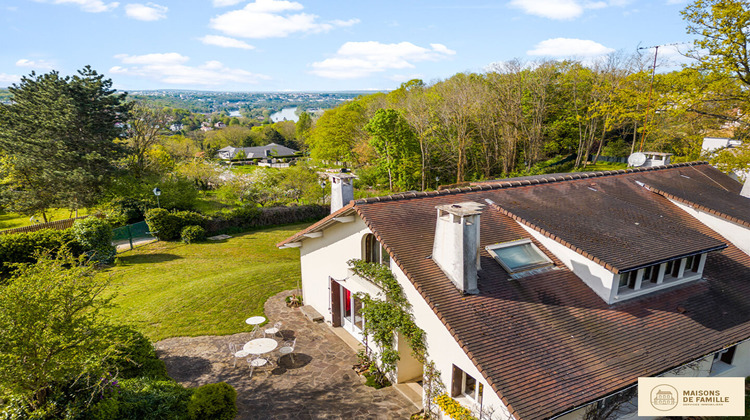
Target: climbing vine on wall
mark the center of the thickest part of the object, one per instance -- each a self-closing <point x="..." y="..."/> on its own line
<point x="385" y="317"/>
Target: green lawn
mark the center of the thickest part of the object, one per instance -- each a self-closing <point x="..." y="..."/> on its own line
<point x="15" y="220"/>
<point x="169" y="289"/>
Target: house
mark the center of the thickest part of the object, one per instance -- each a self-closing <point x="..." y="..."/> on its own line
<point x="220" y="125"/>
<point x="271" y="149"/>
<point x="549" y="297"/>
<point x="712" y="144"/>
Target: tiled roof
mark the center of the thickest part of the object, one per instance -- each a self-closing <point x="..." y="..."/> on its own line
<point x="547" y="343"/>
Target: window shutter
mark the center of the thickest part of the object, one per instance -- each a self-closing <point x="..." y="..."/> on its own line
<point x="335" y="304"/>
<point x="457" y="383"/>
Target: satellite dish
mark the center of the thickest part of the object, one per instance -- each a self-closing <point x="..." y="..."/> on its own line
<point x="636" y="159"/>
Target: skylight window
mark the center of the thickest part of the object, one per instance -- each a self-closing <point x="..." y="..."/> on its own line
<point x="520" y="257"/>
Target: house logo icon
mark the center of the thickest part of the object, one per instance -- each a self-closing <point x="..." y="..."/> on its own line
<point x="663" y="397"/>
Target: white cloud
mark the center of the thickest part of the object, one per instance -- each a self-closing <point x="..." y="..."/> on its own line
<point x="360" y="59"/>
<point x="40" y="64"/>
<point x="147" y="12"/>
<point x="171" y="68"/>
<point x="271" y="19"/>
<point x="569" y="47"/>
<point x="9" y="79"/>
<point x="562" y="9"/>
<point x="223" y="3"/>
<point x="92" y="6"/>
<point x="225" y="42"/>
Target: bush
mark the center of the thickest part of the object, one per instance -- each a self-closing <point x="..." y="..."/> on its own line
<point x="213" y="401"/>
<point x="192" y="234"/>
<point x="26" y="247"/>
<point x="124" y="211"/>
<point x="167" y="226"/>
<point x="95" y="236"/>
<point x="144" y="399"/>
<point x="135" y="356"/>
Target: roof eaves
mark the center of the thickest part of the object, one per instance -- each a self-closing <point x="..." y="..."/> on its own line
<point x="698" y="206"/>
<point x="319" y="225"/>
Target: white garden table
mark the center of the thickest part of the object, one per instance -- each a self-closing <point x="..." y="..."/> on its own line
<point x="255" y="320"/>
<point x="260" y="346"/>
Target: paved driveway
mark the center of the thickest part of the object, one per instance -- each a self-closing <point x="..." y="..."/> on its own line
<point x="319" y="384"/>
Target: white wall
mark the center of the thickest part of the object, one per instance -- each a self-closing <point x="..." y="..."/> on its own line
<point x="326" y="256"/>
<point x="737" y="234"/>
<point x="599" y="279"/>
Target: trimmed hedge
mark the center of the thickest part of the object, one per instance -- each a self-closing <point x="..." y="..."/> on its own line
<point x="167" y="226"/>
<point x="25" y="247"/>
<point x="144" y="399"/>
<point x="213" y="401"/>
<point x="136" y="357"/>
<point x="248" y="217"/>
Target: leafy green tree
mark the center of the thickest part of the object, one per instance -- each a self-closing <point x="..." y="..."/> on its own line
<point x="58" y="138"/>
<point x="302" y="128"/>
<point x="145" y="127"/>
<point x="723" y="27"/>
<point x="397" y="148"/>
<point x="53" y="328"/>
<point x="336" y="132"/>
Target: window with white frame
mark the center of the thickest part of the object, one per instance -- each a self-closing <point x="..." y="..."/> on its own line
<point x="465" y="385"/>
<point x="518" y="257"/>
<point x="374" y="252"/>
<point x="680" y="269"/>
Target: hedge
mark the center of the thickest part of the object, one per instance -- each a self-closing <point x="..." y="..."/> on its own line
<point x="167" y="225"/>
<point x="213" y="401"/>
<point x="25" y="247"/>
<point x="245" y="218"/>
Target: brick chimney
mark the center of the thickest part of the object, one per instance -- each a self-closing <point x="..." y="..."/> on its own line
<point x="342" y="191"/>
<point x="456" y="246"/>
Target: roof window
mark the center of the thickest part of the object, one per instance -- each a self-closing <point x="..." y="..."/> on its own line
<point x="520" y="258"/>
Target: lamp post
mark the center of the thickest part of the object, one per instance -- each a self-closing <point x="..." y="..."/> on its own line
<point x="157" y="193"/>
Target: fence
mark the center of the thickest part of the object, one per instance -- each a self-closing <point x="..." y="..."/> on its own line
<point x="57" y="224"/>
<point x="127" y="234"/>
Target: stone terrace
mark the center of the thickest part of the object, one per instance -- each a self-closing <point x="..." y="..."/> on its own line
<point x="319" y="384"/>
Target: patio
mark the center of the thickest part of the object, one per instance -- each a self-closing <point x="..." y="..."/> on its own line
<point x="319" y="384"/>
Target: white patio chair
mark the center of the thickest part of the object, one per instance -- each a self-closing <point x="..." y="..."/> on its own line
<point x="288" y="348"/>
<point x="237" y="352"/>
<point x="273" y="330"/>
<point x="254" y="332"/>
<point x="256" y="362"/>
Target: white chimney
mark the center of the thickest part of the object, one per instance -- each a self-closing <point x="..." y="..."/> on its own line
<point x="456" y="246"/>
<point x="746" y="187"/>
<point x="342" y="191"/>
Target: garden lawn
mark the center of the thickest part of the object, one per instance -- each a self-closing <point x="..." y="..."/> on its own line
<point x="169" y="289"/>
<point x="16" y="220"/>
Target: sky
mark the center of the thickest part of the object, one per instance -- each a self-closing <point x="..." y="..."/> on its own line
<point x="320" y="45"/>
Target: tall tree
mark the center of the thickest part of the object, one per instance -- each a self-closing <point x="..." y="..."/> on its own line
<point x="58" y="135"/>
<point x="145" y="126"/>
<point x="397" y="148"/>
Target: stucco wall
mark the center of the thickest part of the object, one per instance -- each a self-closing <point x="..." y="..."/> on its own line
<point x="598" y="278"/>
<point x="326" y="256"/>
<point x="737" y="234"/>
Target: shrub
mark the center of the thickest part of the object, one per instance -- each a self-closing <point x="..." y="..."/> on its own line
<point x="192" y="234"/>
<point x="95" y="236"/>
<point x="213" y="401"/>
<point x="167" y="226"/>
<point x="135" y="356"/>
<point x="144" y="399"/>
<point x="26" y="247"/>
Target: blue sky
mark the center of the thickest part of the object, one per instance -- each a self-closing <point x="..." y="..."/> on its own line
<point x="321" y="45"/>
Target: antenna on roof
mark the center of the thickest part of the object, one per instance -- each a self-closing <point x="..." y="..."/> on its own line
<point x="650" y="89"/>
<point x="636" y="159"/>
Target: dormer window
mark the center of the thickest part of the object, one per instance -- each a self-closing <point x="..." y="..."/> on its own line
<point x="520" y="257"/>
<point x="374" y="252"/>
<point x="667" y="273"/>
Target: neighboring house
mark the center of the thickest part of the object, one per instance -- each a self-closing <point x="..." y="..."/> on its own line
<point x="220" y="125"/>
<point x="545" y="298"/>
<point x="176" y="127"/>
<point x="268" y="150"/>
<point x="712" y="144"/>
